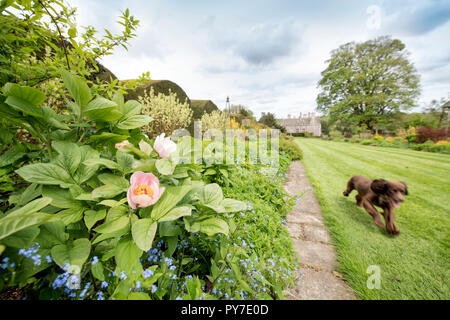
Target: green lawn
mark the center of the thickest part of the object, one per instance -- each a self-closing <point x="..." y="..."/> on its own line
<point x="414" y="265"/>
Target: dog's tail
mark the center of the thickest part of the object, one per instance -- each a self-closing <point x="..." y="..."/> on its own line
<point x="350" y="187"/>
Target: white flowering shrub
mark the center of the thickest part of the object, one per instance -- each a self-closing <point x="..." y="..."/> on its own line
<point x="167" y="111"/>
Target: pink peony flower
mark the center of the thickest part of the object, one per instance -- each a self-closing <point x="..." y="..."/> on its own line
<point x="144" y="190"/>
<point x="122" y="145"/>
<point x="164" y="146"/>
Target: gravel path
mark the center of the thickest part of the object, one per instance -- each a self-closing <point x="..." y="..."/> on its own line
<point x="317" y="257"/>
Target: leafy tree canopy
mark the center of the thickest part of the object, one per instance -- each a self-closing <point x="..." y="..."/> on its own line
<point x="365" y="82"/>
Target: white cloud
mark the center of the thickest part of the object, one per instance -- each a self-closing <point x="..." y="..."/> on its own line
<point x="267" y="59"/>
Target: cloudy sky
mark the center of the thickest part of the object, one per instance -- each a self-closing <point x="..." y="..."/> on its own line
<point x="264" y="54"/>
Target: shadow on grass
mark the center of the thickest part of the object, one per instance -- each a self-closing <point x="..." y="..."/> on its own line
<point x="359" y="215"/>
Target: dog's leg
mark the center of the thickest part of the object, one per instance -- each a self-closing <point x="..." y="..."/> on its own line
<point x="373" y="212"/>
<point x="350" y="188"/>
<point x="389" y="217"/>
<point x="358" y="200"/>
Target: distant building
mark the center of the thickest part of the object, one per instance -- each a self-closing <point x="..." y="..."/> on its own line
<point x="304" y="123"/>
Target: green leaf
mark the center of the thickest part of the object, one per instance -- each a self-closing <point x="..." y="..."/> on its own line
<point x="21" y="239"/>
<point x="107" y="137"/>
<point x="102" y="109"/>
<point x="75" y="254"/>
<point x="212" y="226"/>
<point x="56" y="228"/>
<point x="130" y="108"/>
<point x="176" y="213"/>
<point x="133" y="122"/>
<point x="125" y="161"/>
<point x="143" y="232"/>
<point x="115" y="234"/>
<point x="78" y="89"/>
<point x="107" y="191"/>
<point x="127" y="254"/>
<point x="33" y="206"/>
<point x="232" y="205"/>
<point x="45" y="173"/>
<point x="138" y="296"/>
<point x="113" y="225"/>
<point x="24" y="99"/>
<point x="101" y="161"/>
<point x="113" y="203"/>
<point x="70" y="215"/>
<point x="85" y="172"/>
<point x="10" y="156"/>
<point x="69" y="155"/>
<point x="164" y="166"/>
<point x="170" y="198"/>
<point x="108" y="178"/>
<point x="97" y="271"/>
<point x="62" y="198"/>
<point x="14" y="223"/>
<point x="169" y="229"/>
<point x="91" y="217"/>
<point x="31" y="192"/>
<point x="211" y="194"/>
<point x="30" y="96"/>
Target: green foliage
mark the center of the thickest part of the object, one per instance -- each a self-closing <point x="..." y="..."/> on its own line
<point x="40" y="37"/>
<point x="290" y="148"/>
<point x="167" y="112"/>
<point x="269" y="120"/>
<point x="366" y="82"/>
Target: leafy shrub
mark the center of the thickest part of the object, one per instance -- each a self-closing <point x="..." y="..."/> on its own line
<point x="167" y="112"/>
<point x="411" y="138"/>
<point x="213" y="120"/>
<point x="335" y="134"/>
<point x="429" y="133"/>
<point x="291" y="149"/>
<point x="378" y="138"/>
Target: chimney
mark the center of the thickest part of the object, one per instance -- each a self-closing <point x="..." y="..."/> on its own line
<point x="300" y="115"/>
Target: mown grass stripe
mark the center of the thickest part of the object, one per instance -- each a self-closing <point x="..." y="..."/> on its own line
<point x="413" y="265"/>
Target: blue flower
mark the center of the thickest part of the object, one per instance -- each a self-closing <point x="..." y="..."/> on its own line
<point x="169" y="261"/>
<point x="36" y="259"/>
<point x="138" y="284"/>
<point x="104" y="284"/>
<point x="94" y="260"/>
<point x="49" y="259"/>
<point x="147" y="273"/>
<point x="123" y="276"/>
<point x="154" y="288"/>
<point x="86" y="287"/>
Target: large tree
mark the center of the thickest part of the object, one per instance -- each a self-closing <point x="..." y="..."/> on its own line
<point x="366" y="82"/>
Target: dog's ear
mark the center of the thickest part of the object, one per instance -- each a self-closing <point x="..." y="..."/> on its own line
<point x="379" y="186"/>
<point x="406" y="187"/>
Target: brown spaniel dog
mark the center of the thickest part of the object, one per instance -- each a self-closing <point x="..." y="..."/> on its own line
<point x="381" y="193"/>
